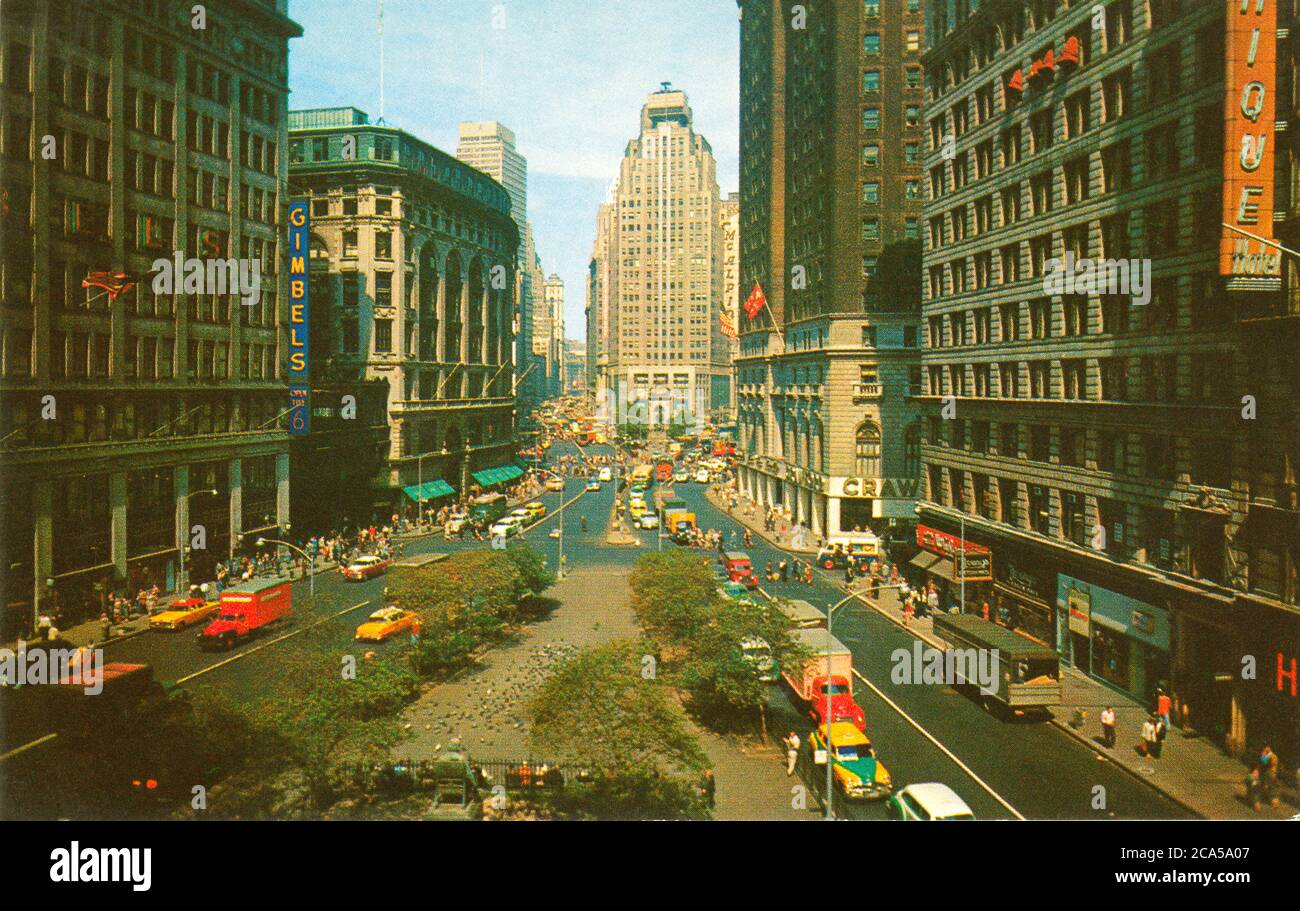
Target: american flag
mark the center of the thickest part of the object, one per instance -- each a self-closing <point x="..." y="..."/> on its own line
<point x="726" y="324"/>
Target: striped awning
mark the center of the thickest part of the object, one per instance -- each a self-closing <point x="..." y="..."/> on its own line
<point x="502" y="474"/>
<point x="429" y="490"/>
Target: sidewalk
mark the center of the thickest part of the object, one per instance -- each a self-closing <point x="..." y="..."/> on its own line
<point x="91" y="632"/>
<point x="1192" y="771"/>
<point x="751" y="515"/>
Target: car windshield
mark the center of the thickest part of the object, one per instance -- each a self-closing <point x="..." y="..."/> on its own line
<point x="836" y="689"/>
<point x="846" y="753"/>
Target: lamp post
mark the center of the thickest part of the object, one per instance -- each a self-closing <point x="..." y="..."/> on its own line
<point x="830" y="746"/>
<point x="311" y="576"/>
<point x="183" y="581"/>
<point x="419" y="475"/>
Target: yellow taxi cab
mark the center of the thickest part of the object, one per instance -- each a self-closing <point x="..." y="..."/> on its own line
<point x="387" y="622"/>
<point x="555" y="483"/>
<point x="187" y="612"/>
<point x="857" y="771"/>
<point x="637" y="508"/>
<point x="535" y="510"/>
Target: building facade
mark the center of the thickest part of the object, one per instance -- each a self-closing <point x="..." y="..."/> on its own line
<point x="413" y="257"/>
<point x="831" y="139"/>
<point x="728" y="347"/>
<point x="666" y="361"/>
<point x="490" y="147"/>
<point x="137" y="424"/>
<point x="1109" y="373"/>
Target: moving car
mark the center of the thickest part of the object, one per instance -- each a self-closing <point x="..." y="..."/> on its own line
<point x="520" y="513"/>
<point x="507" y="527"/>
<point x="637" y="508"/>
<point x="555" y="483"/>
<point x="593" y="486"/>
<point x="925" y="802"/>
<point x="739" y="568"/>
<point x="681" y="475"/>
<point x="387" y="622"/>
<point x="702" y="476"/>
<point x="363" y="568"/>
<point x="856" y="769"/>
<point x="648" y="520"/>
<point x="535" y="509"/>
<point x="183" y="613"/>
<point x="606" y="473"/>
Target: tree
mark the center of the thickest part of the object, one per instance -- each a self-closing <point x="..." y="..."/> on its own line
<point x="532" y="576"/>
<point x="672" y="594"/>
<point x="599" y="710"/>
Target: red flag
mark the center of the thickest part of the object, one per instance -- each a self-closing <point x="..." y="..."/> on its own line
<point x="115" y="283"/>
<point x="755" y="302"/>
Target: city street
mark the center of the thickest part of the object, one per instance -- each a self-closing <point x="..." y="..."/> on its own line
<point x="921" y="732"/>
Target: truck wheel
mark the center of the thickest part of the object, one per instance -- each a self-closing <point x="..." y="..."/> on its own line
<point x="229" y="642"/>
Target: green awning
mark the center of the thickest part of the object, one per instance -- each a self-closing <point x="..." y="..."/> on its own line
<point x="502" y="474"/>
<point x="429" y="490"/>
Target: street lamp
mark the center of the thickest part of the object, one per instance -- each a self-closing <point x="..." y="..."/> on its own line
<point x="311" y="576"/>
<point x="830" y="746"/>
<point x="182" y="583"/>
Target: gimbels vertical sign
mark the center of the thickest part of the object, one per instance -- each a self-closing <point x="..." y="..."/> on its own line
<point x="1250" y="84"/>
<point x="299" y="350"/>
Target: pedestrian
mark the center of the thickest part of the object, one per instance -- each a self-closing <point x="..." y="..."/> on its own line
<point x="1264" y="776"/>
<point x="1164" y="705"/>
<point x="848" y="574"/>
<point x="1148" y="737"/>
<point x="875" y="586"/>
<point x="1161" y="730"/>
<point x="784" y="567"/>
<point x="984" y="611"/>
<point x="709" y="787"/>
<point x="791" y="752"/>
<point x="907" y="610"/>
<point x="1107" y="724"/>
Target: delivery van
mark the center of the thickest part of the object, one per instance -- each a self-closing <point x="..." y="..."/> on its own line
<point x="247" y="610"/>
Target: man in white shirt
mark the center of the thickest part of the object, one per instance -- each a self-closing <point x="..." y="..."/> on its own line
<point x="1108" y="727"/>
<point x="791" y="752"/>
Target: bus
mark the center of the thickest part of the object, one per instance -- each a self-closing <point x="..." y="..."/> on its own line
<point x="486" y="509"/>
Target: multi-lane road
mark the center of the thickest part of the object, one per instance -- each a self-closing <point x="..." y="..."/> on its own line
<point x="922" y="732"/>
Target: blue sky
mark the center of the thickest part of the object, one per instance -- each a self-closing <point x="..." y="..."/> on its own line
<point x="568" y="76"/>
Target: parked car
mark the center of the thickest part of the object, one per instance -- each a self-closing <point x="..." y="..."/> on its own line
<point x="520" y="513"/>
<point x="606" y="473"/>
<point x="702" y="476"/>
<point x="507" y="527"/>
<point x="456" y="521"/>
<point x="386" y="622"/>
<point x="925" y="802"/>
<point x="758" y="655"/>
<point x="363" y="568"/>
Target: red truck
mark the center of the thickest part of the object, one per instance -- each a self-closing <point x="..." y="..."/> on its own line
<point x="246" y="610"/>
<point x="825" y="675"/>
<point x="664" y="471"/>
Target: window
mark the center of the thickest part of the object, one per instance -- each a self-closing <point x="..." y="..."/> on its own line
<point x="383" y="335"/>
<point x="1040" y="510"/>
<point x="867" y="453"/>
<point x="871" y="81"/>
<point x="871" y="44"/>
<point x="871" y="118"/>
<point x="871" y="155"/>
<point x="913" y="40"/>
<point x="871" y="192"/>
<point x="1116" y="94"/>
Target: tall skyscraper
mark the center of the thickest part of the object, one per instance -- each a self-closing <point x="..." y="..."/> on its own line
<point x="662" y="237"/>
<point x="130" y="416"/>
<point x="553" y="296"/>
<point x="1110" y="362"/>
<point x="490" y="147"/>
<point x="830" y="203"/>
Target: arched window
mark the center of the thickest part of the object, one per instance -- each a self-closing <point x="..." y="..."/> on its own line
<point x="867" y="460"/>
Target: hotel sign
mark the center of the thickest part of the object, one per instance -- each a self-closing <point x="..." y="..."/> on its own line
<point x="299" y="349"/>
<point x="1250" y="84"/>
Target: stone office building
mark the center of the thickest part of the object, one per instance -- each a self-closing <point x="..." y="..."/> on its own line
<point x="1127" y="454"/>
<point x="830" y="205"/>
<point x="413" y="255"/>
<point x="126" y="420"/>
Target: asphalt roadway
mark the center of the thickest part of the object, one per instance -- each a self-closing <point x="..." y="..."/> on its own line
<point x="1002" y="769"/>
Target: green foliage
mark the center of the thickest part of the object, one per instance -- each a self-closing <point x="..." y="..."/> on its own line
<point x="633" y="431"/>
<point x="598" y="710"/>
<point x="533" y="577"/>
<point x="634" y="794"/>
<point x="672" y="594"/>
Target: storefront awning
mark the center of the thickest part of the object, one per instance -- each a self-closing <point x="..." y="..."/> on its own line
<point x="924" y="560"/>
<point x="943" y="568"/>
<point x="502" y="474"/>
<point x="429" y="490"/>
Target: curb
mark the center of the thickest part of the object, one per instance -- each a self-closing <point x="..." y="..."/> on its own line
<point x="1060" y="725"/>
